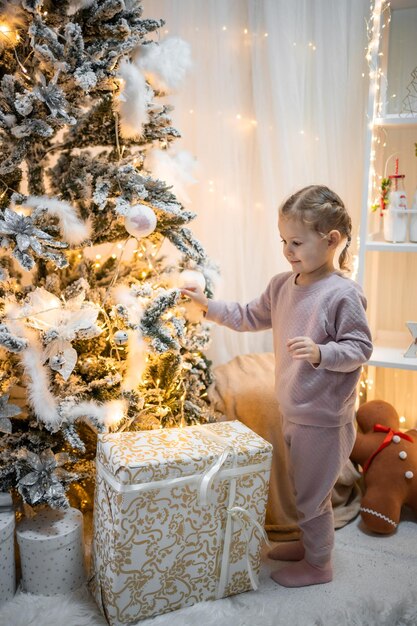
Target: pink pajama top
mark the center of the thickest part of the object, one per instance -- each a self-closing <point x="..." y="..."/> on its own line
<point x="331" y="312"/>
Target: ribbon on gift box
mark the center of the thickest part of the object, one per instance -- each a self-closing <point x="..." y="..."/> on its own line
<point x="210" y="474"/>
<point x="234" y="513"/>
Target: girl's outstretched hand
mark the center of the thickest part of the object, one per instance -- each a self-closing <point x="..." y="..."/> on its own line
<point x="304" y="348"/>
<point x="197" y="295"/>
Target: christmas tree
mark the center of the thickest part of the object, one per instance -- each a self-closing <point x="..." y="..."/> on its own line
<point x="98" y="338"/>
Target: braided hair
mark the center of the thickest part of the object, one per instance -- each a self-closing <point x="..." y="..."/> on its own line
<point x="321" y="209"/>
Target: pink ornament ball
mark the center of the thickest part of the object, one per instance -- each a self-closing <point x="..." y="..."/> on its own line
<point x="140" y="221"/>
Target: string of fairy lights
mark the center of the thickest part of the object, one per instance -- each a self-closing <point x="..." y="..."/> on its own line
<point x="379" y="21"/>
<point x="248" y="122"/>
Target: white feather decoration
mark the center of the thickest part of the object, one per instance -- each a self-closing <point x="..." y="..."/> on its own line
<point x="74" y="230"/>
<point x="176" y="169"/>
<point x="165" y="64"/>
<point x="109" y="413"/>
<point x="135" y="361"/>
<point x="40" y="397"/>
<point x="132" y="103"/>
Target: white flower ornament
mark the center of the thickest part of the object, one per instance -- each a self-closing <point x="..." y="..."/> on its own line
<point x="61" y="322"/>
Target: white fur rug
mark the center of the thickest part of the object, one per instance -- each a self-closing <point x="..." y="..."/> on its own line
<point x="77" y="609"/>
<point x="374" y="585"/>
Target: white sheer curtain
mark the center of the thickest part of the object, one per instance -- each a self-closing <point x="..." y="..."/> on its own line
<point x="276" y="101"/>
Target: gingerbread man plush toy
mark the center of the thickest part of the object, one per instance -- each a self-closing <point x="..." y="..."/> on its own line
<point x="389" y="462"/>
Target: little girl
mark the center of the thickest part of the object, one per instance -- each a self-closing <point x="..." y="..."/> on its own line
<point x="321" y="340"/>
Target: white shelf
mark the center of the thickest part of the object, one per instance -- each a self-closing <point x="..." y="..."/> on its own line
<point x="389" y="351"/>
<point x="388" y="246"/>
<point x="383" y="356"/>
<point x="406" y="121"/>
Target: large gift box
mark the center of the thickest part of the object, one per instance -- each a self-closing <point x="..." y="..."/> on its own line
<point x="178" y="517"/>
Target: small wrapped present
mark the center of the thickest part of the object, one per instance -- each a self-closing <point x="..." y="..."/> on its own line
<point x="7" y="561"/>
<point x="178" y="517"/>
<point x="52" y="552"/>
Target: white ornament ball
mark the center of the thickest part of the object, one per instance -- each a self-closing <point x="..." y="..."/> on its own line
<point x="409" y="474"/>
<point x="140" y="221"/>
<point x="120" y="337"/>
<point x="192" y="278"/>
<point x="396" y="439"/>
<point x="57" y="362"/>
<point x="403" y="454"/>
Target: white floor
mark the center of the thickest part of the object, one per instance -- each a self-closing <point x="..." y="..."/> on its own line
<point x="372" y="573"/>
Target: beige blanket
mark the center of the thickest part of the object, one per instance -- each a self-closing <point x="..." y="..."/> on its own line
<point x="244" y="390"/>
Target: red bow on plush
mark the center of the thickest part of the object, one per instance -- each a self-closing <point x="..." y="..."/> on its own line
<point x="379" y="428"/>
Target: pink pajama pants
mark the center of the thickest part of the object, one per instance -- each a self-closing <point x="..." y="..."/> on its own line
<point x="316" y="456"/>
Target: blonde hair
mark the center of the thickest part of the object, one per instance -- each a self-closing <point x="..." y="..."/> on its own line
<point x="321" y="209"/>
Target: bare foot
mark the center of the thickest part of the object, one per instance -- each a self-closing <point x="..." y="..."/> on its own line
<point x="302" y="574"/>
<point x="287" y="551"/>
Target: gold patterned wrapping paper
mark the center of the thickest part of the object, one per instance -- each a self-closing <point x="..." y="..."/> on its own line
<point x="175" y="517"/>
